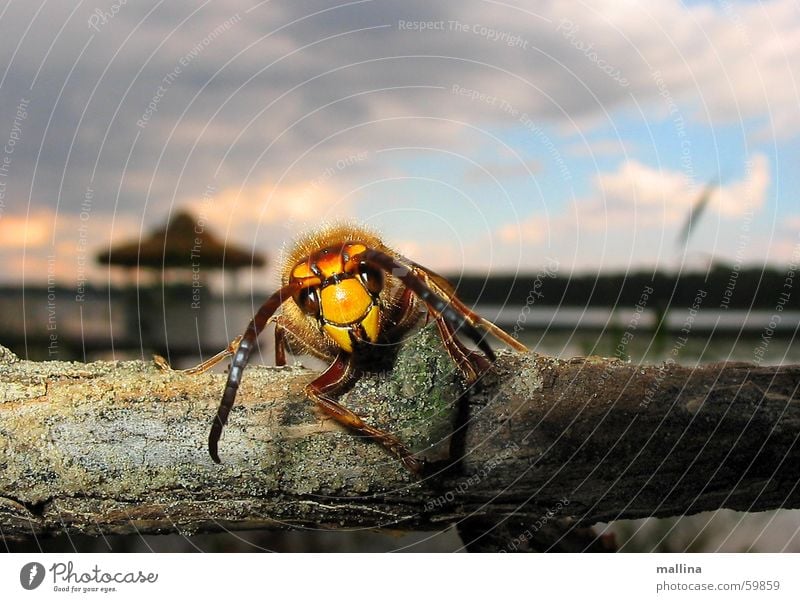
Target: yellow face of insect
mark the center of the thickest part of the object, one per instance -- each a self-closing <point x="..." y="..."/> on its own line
<point x="342" y="293"/>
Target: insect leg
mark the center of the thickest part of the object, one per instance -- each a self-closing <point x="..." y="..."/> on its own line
<point x="339" y="375"/>
<point x="280" y="344"/>
<point x="441" y="286"/>
<point x="472" y="364"/>
<point x="239" y="363"/>
<point x="403" y="315"/>
<point x="439" y="305"/>
<point x="215" y="359"/>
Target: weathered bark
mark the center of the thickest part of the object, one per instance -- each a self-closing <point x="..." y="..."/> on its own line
<point x="120" y="447"/>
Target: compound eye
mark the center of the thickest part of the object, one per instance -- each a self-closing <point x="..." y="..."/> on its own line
<point x="307" y="300"/>
<point x="371" y="277"/>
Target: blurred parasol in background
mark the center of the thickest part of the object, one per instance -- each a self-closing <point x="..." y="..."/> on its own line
<point x="183" y="243"/>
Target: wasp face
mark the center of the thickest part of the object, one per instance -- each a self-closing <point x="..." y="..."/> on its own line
<point x="335" y="277"/>
<point x="341" y="293"/>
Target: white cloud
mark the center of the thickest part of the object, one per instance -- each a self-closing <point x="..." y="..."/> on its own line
<point x="61" y="246"/>
<point x="260" y="106"/>
<point x="505" y="170"/>
<point x="634" y="216"/>
<point x="243" y="208"/>
<point x="606" y="147"/>
<point x="638" y="188"/>
<point x="528" y="231"/>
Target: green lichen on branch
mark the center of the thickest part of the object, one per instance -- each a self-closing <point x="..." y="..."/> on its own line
<point x="120" y="447"/>
<point x="117" y="435"/>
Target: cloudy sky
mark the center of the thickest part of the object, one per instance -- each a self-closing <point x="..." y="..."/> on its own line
<point x="475" y="135"/>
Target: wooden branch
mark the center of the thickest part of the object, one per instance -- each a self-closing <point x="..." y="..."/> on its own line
<point x="120" y="447"/>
